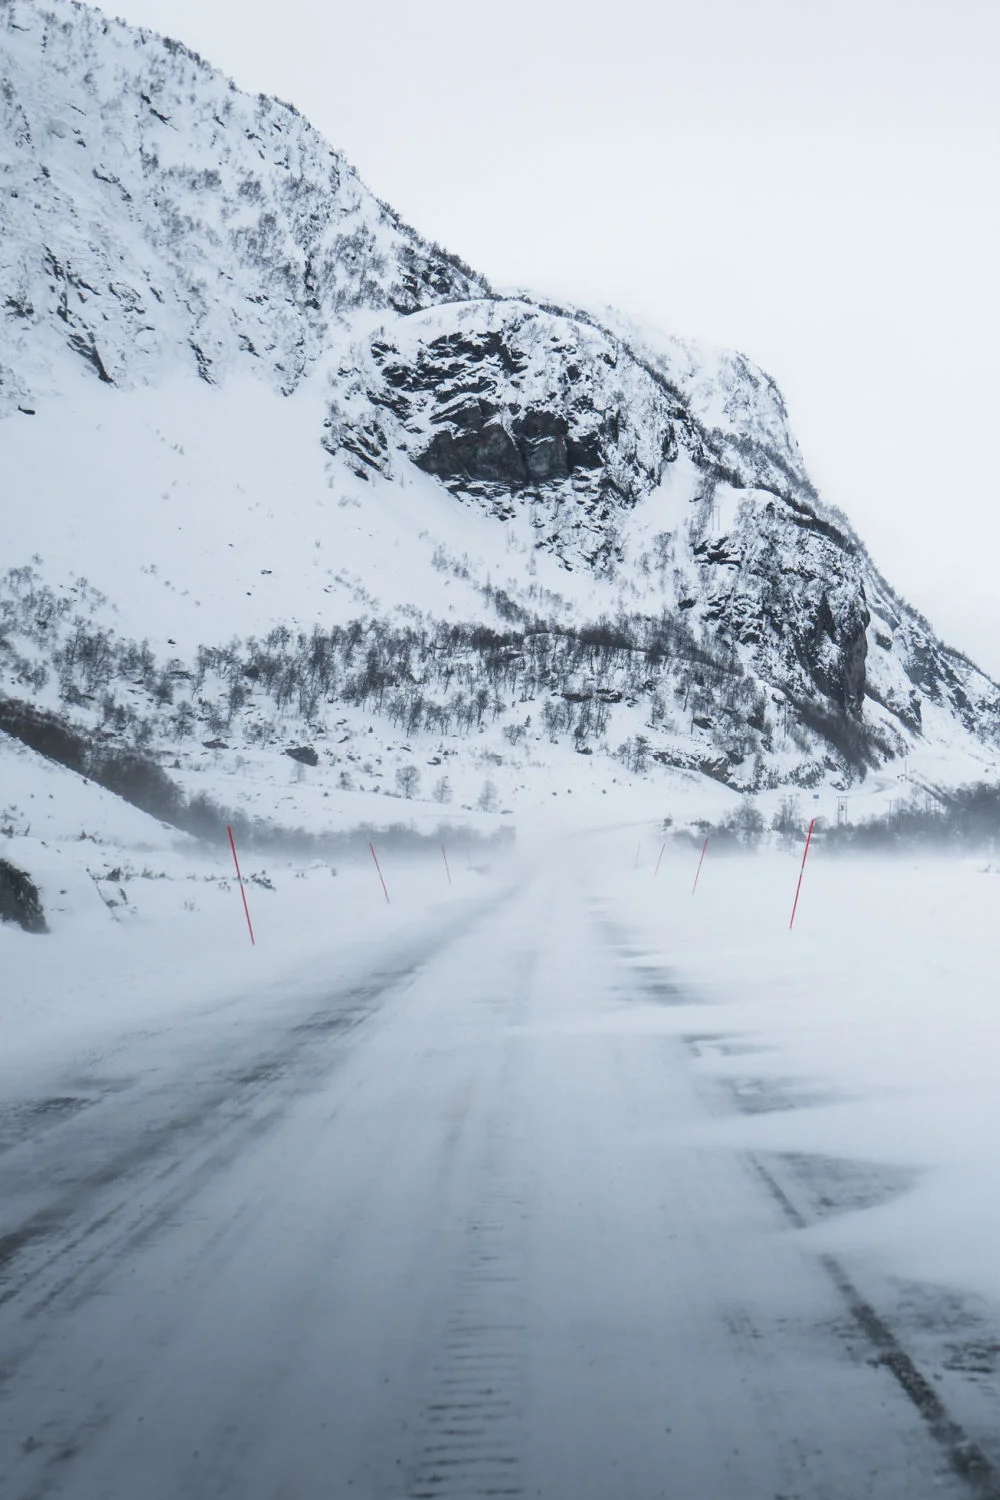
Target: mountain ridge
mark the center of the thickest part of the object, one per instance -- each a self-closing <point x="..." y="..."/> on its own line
<point x="506" y="468"/>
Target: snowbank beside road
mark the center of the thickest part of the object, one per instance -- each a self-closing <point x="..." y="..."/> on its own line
<point x="169" y="937"/>
<point x="868" y="1033"/>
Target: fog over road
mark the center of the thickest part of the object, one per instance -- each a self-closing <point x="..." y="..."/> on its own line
<point x="446" y="1231"/>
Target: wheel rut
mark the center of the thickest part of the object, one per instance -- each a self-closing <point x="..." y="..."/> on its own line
<point x="471" y="1438"/>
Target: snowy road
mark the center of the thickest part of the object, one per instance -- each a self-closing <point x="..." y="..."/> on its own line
<point x="447" y="1233"/>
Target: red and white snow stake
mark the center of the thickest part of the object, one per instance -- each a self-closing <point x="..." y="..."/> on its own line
<point x="239" y="877"/>
<point x="657" y="870"/>
<point x="380" y="875"/>
<point x="697" y="873"/>
<point x="802" y="871"/>
<point x="447" y="871"/>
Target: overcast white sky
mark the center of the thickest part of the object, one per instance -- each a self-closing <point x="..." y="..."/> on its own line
<point x="811" y="181"/>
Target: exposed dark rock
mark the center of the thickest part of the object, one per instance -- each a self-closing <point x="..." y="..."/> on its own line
<point x="85" y="345"/>
<point x="19" y="899"/>
<point x="468" y="391"/>
<point x="304" y="753"/>
<point x="487" y="453"/>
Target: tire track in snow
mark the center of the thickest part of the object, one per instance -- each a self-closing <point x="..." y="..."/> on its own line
<point x="472" y="1426"/>
<point x="472" y="1441"/>
<point x="965" y="1457"/>
<point x="236" y="1100"/>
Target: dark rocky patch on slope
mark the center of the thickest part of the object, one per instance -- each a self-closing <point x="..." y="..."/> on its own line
<point x="20" y="901"/>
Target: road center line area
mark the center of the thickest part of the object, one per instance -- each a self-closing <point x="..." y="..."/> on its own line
<point x="449" y="1233"/>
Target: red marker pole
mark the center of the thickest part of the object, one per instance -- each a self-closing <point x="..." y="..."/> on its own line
<point x="379" y="869"/>
<point x="657" y="870"/>
<point x="697" y="875"/>
<point x="446" y="869"/>
<point x="802" y="871"/>
<point x="239" y="877"/>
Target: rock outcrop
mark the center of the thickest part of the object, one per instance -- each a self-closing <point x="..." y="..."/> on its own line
<point x="19" y="899"/>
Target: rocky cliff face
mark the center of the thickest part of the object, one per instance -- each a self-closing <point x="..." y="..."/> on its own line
<point x="545" y="418"/>
<point x="153" y="218"/>
<point x="514" y="409"/>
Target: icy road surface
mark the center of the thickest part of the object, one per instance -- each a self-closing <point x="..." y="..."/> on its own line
<point x="443" y="1232"/>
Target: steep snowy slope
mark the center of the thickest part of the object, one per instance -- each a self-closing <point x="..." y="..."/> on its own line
<point x="275" y="471"/>
<point x="154" y="215"/>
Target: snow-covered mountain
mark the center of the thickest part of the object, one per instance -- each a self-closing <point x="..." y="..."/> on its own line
<point x="277" y="473"/>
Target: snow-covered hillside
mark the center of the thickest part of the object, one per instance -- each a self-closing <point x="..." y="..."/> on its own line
<point x="156" y="216"/>
<point x="279" y="475"/>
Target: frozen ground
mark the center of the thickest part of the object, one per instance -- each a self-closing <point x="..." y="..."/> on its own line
<point x="552" y="1181"/>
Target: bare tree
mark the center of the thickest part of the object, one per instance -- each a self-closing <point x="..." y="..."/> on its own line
<point x="487" y="798"/>
<point x="408" y="780"/>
